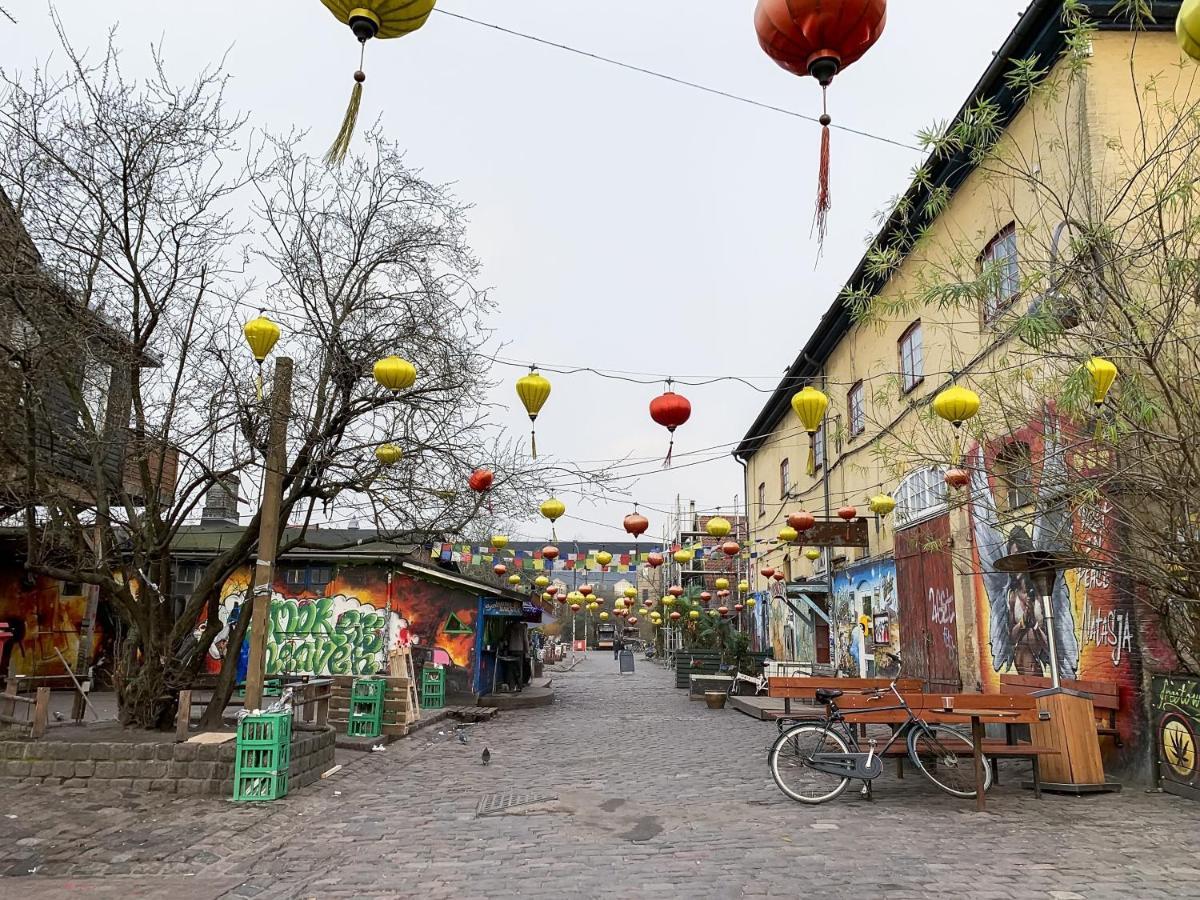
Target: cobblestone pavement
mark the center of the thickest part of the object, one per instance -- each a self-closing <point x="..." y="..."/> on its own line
<point x="643" y="794"/>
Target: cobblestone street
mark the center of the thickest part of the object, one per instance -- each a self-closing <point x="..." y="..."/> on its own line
<point x="645" y="794"/>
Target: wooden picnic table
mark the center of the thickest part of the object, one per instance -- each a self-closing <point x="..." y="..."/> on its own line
<point x="977" y="735"/>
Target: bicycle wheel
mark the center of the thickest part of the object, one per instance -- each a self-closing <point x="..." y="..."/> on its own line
<point x="789" y="764"/>
<point x="946" y="757"/>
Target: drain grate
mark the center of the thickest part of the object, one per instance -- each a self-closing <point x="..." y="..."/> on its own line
<point x="509" y="801"/>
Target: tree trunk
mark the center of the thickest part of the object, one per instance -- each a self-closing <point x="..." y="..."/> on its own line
<point x="223" y="690"/>
<point x="144" y="695"/>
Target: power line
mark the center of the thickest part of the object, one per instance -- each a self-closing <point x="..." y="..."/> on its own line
<point x="673" y="79"/>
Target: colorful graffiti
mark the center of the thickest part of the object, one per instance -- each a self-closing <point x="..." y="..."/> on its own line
<point x="1175" y="703"/>
<point x="44" y="616"/>
<point x="860" y="594"/>
<point x="1092" y="622"/>
<point x="348" y="627"/>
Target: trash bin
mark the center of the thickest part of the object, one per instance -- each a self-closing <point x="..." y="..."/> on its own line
<point x="626" y="658"/>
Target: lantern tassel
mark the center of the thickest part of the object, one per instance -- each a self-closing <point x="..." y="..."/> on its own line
<point x="259" y="384"/>
<point x="533" y="442"/>
<point x="670" y="451"/>
<point x="812" y="456"/>
<point x="824" y="200"/>
<point x="341" y="144"/>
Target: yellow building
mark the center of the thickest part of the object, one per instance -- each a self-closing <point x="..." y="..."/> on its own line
<point x="984" y="238"/>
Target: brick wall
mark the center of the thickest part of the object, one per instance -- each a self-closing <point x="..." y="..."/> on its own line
<point x="171" y="768"/>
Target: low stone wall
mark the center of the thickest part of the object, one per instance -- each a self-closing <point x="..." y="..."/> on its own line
<point x="172" y="768"/>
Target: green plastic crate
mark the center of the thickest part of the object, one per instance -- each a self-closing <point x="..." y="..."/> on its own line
<point x="265" y="730"/>
<point x="364" y="727"/>
<point x="257" y="788"/>
<point x="433" y="688"/>
<point x="368" y="689"/>
<point x="255" y="760"/>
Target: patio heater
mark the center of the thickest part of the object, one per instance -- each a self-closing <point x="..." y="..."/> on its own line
<point x="1068" y="721"/>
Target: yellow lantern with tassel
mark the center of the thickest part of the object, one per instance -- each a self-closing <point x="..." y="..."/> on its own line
<point x="388" y="454"/>
<point x="542" y="581"/>
<point x="533" y="391"/>
<point x="787" y="534"/>
<point x="604" y="557"/>
<point x="956" y="405"/>
<point x="552" y="509"/>
<point x="1102" y="373"/>
<point x="514" y="579"/>
<point x="261" y="335"/>
<point x="809" y="405"/>
<point x="1187" y="28"/>
<point x="630" y="594"/>
<point x="721" y="584"/>
<point x="682" y="556"/>
<point x="882" y="505"/>
<point x="743" y="586"/>
<point x="813" y="554"/>
<point x="718" y="527"/>
<point x="371" y="19"/>
<point x="499" y="541"/>
<point x="395" y="374"/>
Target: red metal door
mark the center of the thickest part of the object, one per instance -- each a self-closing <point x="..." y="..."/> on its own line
<point x="925" y="594"/>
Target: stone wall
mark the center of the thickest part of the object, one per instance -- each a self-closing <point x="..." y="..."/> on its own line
<point x="172" y="768"/>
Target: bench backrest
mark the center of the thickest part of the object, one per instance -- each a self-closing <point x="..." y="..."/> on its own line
<point x="1103" y="694"/>
<point x="805" y="688"/>
<point x="867" y="709"/>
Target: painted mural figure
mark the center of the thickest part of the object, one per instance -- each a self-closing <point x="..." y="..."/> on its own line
<point x="1017" y="633"/>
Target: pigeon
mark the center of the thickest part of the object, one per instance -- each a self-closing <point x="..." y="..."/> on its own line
<point x="462" y="737"/>
<point x="58" y="717"/>
<point x="486" y="756"/>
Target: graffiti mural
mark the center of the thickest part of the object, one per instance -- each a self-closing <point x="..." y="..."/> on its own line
<point x="45" y="615"/>
<point x="1092" y="622"/>
<point x="862" y="593"/>
<point x="1176" y="715"/>
<point x="349" y="625"/>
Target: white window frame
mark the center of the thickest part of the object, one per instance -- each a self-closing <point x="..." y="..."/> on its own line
<point x="920" y="495"/>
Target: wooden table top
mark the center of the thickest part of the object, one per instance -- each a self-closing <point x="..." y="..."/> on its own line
<point x="981" y="713"/>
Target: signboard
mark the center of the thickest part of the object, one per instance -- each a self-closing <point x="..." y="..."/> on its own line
<point x="531" y="613"/>
<point x="836" y="533"/>
<point x="882" y="629"/>
<point x="496" y="607"/>
<point x="1175" y="708"/>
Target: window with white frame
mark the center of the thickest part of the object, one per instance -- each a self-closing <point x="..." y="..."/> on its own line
<point x="920" y="495"/>
<point x="785" y="478"/>
<point x="762" y="499"/>
<point x="999" y="262"/>
<point x="912" y="357"/>
<point x="857" y="412"/>
<point x="819" y="448"/>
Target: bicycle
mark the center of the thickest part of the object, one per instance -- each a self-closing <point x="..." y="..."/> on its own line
<point x="814" y="762"/>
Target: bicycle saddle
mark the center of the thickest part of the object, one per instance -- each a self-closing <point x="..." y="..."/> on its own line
<point x="824" y="695"/>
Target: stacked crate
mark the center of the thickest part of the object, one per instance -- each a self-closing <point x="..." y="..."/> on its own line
<point x="433" y="687"/>
<point x="366" y="708"/>
<point x="398" y="710"/>
<point x="263" y="758"/>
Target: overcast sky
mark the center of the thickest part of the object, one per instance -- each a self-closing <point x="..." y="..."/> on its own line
<point x="623" y="222"/>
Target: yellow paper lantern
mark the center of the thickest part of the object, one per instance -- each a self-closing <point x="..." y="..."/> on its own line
<point x="882" y="504"/>
<point x="603" y="617"/>
<point x="694" y="614"/>
<point x="718" y="527"/>
<point x="395" y="374"/>
<point x="750" y="602"/>
<point x="809" y="404"/>
<point x="813" y="553"/>
<point x="1102" y="372"/>
<point x="604" y="557"/>
<point x="642" y="611"/>
<point x="593" y="606"/>
<point x="552" y="509"/>
<point x="261" y="334"/>
<point x="542" y="581"/>
<point x="722" y="584"/>
<point x="712" y="613"/>
<point x="630" y="593"/>
<point x="1187" y="28"/>
<point x="499" y="541"/>
<point x="533" y="391"/>
<point x="787" y="534"/>
<point x="743" y="586"/>
<point x="388" y="454"/>
<point x="956" y="405"/>
<point x="668" y="600"/>
<point x="682" y="556"/>
<point x="514" y="579"/>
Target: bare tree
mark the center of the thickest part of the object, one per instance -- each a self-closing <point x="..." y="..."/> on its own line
<point x="161" y="231"/>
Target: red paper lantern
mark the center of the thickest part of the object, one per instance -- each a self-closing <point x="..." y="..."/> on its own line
<point x="738" y="607"/>
<point x="552" y="590"/>
<point x="636" y="524"/>
<point x="802" y="521"/>
<point x="654" y="560"/>
<point x="731" y="548"/>
<point x="849" y="513"/>
<point x="819" y="38"/>
<point x="585" y="589"/>
<point x="481" y="480"/>
<point x="550" y="552"/>
<point x="721" y="595"/>
<point x="767" y="572"/>
<point x="670" y="410"/>
<point x="957" y="478"/>
<point x="500" y="569"/>
<point x="633" y="620"/>
<point x="779" y="576"/>
<point x="675" y="617"/>
<point x="575" y="607"/>
<point x="675" y="590"/>
<point x="705" y="597"/>
<point x="723" y="610"/>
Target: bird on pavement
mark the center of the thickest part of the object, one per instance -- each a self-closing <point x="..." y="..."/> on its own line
<point x="486" y="755"/>
<point x="462" y="737"/>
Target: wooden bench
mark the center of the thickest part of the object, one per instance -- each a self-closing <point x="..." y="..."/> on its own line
<point x="864" y="709"/>
<point x="1106" y="698"/>
<point x="805" y="688"/>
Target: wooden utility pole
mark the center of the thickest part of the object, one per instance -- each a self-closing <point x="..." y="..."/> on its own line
<point x="268" y="531"/>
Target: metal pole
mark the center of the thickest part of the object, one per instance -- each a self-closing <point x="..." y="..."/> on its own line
<point x="1048" y="617"/>
<point x="828" y="551"/>
<point x="268" y="534"/>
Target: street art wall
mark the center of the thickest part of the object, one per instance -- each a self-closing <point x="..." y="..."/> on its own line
<point x="865" y="616"/>
<point x="1093" y="622"/>
<point x="45" y="615"/>
<point x="349" y="626"/>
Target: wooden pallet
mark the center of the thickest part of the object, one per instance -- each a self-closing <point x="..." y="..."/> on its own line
<point x="400" y="665"/>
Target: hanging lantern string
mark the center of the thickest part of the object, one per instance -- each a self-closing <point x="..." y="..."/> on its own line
<point x="341" y="144"/>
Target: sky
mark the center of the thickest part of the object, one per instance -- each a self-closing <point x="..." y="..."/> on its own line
<point x="624" y="223"/>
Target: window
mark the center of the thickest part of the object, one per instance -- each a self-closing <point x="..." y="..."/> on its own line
<point x="857" y="412"/>
<point x="998" y="262"/>
<point x="1014" y="469"/>
<point x="71" y="589"/>
<point x="920" y="495"/>
<point x="819" y="448"/>
<point x="912" y="357"/>
<point x="295" y="578"/>
<point x="762" y="500"/>
<point x="785" y="478"/>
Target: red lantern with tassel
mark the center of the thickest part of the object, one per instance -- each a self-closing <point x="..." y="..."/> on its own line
<point x="670" y="410"/>
<point x="849" y="513"/>
<point x="819" y="38"/>
<point x="636" y="524"/>
<point x="802" y="521"/>
<point x="654" y="560"/>
<point x="731" y="548"/>
<point x="481" y="480"/>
